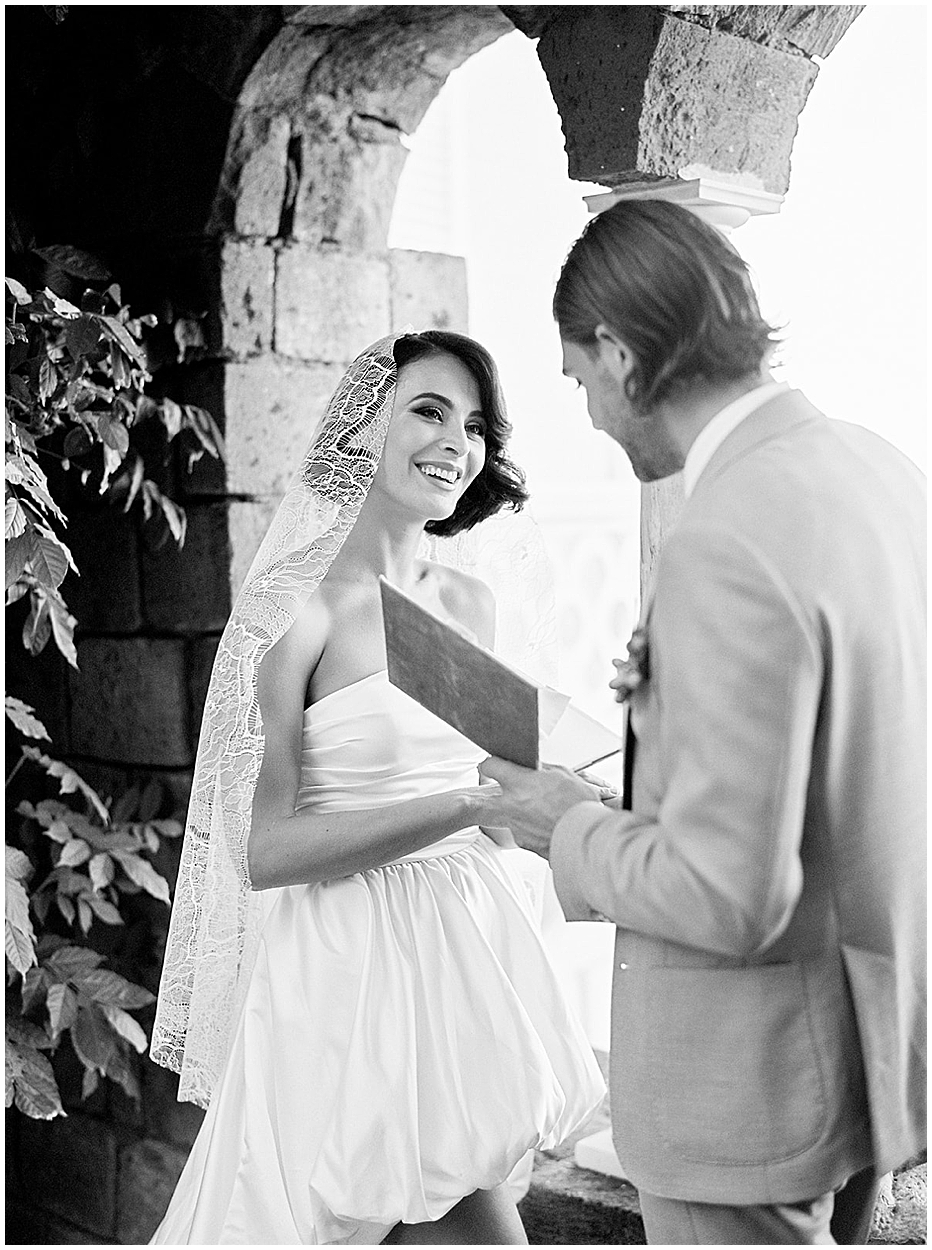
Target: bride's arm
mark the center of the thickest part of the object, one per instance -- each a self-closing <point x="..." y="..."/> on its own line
<point x="290" y="848"/>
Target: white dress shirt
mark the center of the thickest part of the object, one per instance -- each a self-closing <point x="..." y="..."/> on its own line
<point x="711" y="436"/>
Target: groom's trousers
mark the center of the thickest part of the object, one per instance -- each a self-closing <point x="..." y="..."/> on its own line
<point x="841" y="1218"/>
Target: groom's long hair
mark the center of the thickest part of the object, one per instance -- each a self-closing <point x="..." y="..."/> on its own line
<point x="673" y="289"/>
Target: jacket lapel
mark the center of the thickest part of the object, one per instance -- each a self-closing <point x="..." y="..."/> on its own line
<point x="773" y="419"/>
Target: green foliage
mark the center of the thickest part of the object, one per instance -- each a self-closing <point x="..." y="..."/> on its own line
<point x="75" y="393"/>
<point x="76" y="378"/>
<point x="97" y="855"/>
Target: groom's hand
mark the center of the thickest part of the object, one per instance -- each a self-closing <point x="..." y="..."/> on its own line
<point x="533" y="800"/>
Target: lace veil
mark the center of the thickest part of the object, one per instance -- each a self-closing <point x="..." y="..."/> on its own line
<point x="215" y="916"/>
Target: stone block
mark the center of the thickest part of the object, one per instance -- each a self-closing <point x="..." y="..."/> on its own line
<point x="645" y="95"/>
<point x="149" y="1171"/>
<point x="347" y="189"/>
<point x="329" y="305"/>
<point x="247" y="284"/>
<point x="262" y="155"/>
<point x="201" y="652"/>
<point x="813" y="29"/>
<point x="72" y="1169"/>
<point x="187" y="589"/>
<point x="167" y="1119"/>
<point x="901" y="1212"/>
<point x="273" y="407"/>
<point x="129" y="702"/>
<point x="428" y="290"/>
<point x="248" y="523"/>
<point x="105" y="597"/>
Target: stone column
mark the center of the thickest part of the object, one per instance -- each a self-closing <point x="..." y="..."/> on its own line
<point x="652" y="95"/>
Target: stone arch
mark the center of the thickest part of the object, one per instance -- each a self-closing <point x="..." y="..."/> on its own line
<point x="302" y="212"/>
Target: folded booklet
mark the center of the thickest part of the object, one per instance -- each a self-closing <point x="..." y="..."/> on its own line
<point x="500" y="709"/>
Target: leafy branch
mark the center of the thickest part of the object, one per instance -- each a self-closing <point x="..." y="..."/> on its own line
<point x="97" y="856"/>
<point x="76" y="379"/>
<point x="75" y="395"/>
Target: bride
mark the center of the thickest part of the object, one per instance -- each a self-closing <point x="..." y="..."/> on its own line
<point x="355" y="983"/>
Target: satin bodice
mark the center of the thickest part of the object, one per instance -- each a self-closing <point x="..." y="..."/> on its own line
<point x="370" y="745"/>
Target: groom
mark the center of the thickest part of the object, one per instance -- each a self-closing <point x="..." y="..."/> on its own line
<point x="768" y="881"/>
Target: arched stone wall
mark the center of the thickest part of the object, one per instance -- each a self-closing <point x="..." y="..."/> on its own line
<point x="241" y="161"/>
<point x="303" y="210"/>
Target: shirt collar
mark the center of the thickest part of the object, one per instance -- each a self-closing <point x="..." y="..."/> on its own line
<point x="711" y="436"/>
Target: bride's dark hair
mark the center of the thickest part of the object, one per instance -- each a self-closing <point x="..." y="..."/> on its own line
<point x="500" y="484"/>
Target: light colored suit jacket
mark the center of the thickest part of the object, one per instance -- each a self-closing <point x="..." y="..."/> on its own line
<point x="769" y="884"/>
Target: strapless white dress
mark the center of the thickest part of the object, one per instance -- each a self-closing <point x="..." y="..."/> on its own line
<point x="404" y="1040"/>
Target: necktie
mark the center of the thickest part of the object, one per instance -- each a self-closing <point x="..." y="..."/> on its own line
<point x="630" y="744"/>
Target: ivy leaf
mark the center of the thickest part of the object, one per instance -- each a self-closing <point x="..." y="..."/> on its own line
<point x="62" y="1004"/>
<point x="85" y="915"/>
<point x="82" y="336"/>
<point x="125" y="340"/>
<point x="17" y="554"/>
<point x="50" y="558"/>
<point x="38" y="627"/>
<point x="18" y="291"/>
<point x="102" y="909"/>
<point x="127" y="1027"/>
<point x="141" y="873"/>
<point x="30" y="475"/>
<point x="74" y="852"/>
<point x="114" y="435"/>
<point x="48" y="380"/>
<point x="205" y="429"/>
<point x="35" y="984"/>
<point x="146" y="407"/>
<point x="69" y="781"/>
<point x="133" y="482"/>
<point x="59" y="831"/>
<point x="171" y="417"/>
<point x="112" y="461"/>
<point x="63" y="626"/>
<point x="101" y="869"/>
<point x="20" y="936"/>
<point x="24" y="718"/>
<point x="15" y="593"/>
<point x="30" y="1083"/>
<point x="103" y="986"/>
<point x="93" y="1039"/>
<point x="71" y="962"/>
<point x="77" y="442"/>
<point x="62" y="307"/>
<point x="176" y="518"/>
<point x="90" y="1082"/>
<point x="15" y="518"/>
<point x="18" y="864"/>
<point x="66" y="907"/>
<point x="120" y="368"/>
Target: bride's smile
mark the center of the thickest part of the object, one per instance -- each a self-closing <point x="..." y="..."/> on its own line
<point x="436" y="439"/>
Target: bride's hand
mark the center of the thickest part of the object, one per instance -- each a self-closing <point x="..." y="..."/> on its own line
<point x="499" y="834"/>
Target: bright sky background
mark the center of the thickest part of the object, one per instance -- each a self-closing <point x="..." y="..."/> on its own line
<point x="844" y="263"/>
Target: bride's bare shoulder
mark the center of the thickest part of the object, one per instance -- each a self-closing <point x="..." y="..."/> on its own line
<point x="468" y="600"/>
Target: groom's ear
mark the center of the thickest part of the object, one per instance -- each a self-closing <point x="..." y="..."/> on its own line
<point x="614" y="353"/>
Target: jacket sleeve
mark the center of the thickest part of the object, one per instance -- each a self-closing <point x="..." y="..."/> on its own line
<point x="736" y="680"/>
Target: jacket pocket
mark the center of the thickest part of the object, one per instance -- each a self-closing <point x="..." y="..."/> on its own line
<point x="735" y="1069"/>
